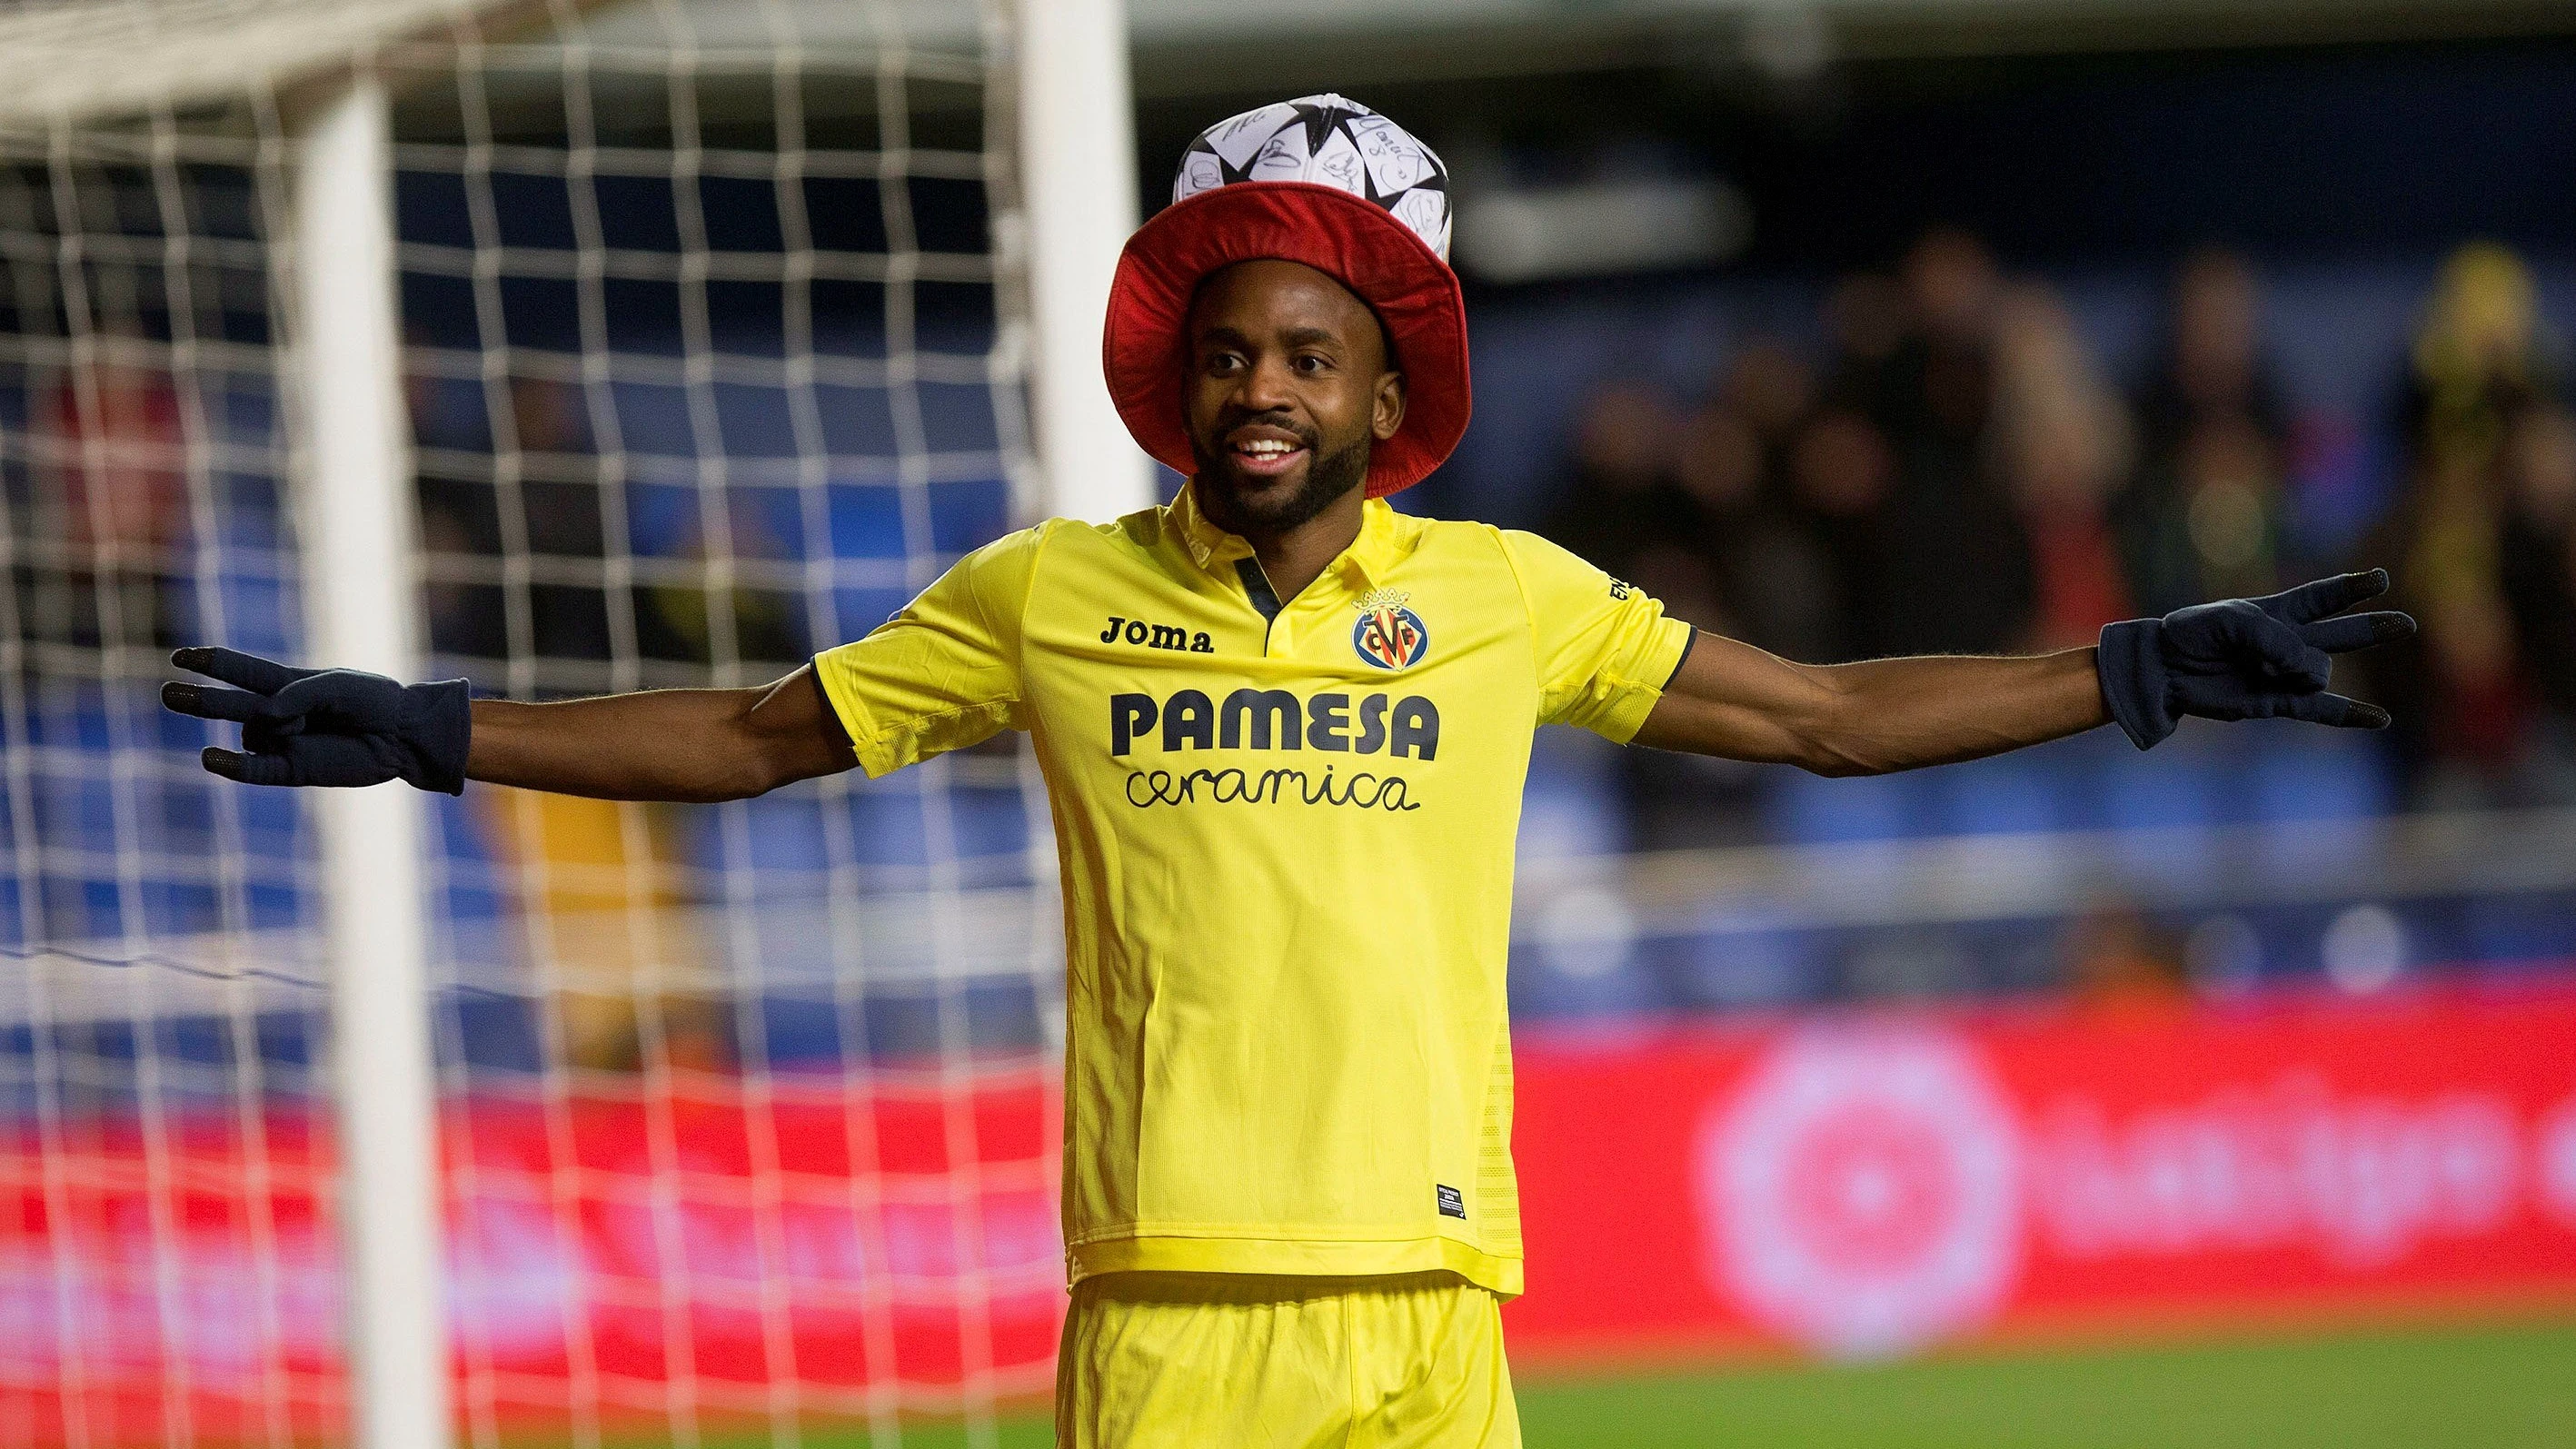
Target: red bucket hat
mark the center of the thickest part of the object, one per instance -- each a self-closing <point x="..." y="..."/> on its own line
<point x="1326" y="182"/>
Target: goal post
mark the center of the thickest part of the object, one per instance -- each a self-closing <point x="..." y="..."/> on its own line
<point x="1077" y="149"/>
<point x="362" y="592"/>
<point x="571" y="347"/>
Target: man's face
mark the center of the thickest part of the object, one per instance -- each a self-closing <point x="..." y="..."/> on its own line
<point x="1289" y="384"/>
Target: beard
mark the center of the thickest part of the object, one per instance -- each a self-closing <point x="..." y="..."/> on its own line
<point x="1222" y="494"/>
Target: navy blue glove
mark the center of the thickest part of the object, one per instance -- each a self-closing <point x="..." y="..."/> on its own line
<point x="2266" y="658"/>
<point x="327" y="726"/>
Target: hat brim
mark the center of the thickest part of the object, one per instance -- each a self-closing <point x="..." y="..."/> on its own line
<point x="1145" y="349"/>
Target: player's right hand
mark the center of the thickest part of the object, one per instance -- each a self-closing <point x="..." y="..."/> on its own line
<point x="326" y="726"/>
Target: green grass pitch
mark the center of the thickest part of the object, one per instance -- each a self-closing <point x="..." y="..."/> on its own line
<point x="2492" y="1387"/>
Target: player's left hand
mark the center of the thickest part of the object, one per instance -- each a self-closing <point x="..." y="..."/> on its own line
<point x="2266" y="658"/>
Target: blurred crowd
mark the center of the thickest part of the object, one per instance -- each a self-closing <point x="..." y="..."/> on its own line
<point x="1954" y="471"/>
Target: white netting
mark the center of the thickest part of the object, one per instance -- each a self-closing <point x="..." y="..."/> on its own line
<point x="164" y="1269"/>
<point x="748" y="1111"/>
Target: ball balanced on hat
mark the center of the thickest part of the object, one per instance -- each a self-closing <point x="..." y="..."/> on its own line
<point x="1328" y="183"/>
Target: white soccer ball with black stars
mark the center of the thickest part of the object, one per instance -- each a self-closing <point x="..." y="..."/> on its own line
<point x="1330" y="141"/>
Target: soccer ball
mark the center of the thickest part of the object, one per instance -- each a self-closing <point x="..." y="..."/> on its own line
<point x="1332" y="142"/>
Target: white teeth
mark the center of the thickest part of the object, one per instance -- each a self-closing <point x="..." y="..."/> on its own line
<point x="1266" y="448"/>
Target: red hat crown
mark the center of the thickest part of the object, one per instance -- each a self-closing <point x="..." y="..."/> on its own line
<point x="1326" y="140"/>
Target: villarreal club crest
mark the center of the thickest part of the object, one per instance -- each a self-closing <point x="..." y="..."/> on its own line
<point x="1388" y="634"/>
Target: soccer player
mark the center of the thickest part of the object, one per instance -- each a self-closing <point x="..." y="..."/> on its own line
<point x="1284" y="730"/>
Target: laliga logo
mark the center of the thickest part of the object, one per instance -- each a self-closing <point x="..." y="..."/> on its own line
<point x="1389" y="635"/>
<point x="1861" y="1192"/>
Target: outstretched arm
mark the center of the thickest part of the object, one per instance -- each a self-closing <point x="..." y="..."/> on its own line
<point x="666" y="744"/>
<point x="348" y="727"/>
<point x="2235" y="659"/>
<point x="940" y="675"/>
<point x="1734" y="700"/>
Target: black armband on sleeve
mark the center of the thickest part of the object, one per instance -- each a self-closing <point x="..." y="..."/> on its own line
<point x="831" y="711"/>
<point x="1688" y="645"/>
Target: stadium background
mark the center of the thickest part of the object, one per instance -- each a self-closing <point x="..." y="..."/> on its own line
<point x="2217" y="1095"/>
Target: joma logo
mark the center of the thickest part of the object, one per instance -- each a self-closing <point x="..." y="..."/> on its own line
<point x="1155" y="636"/>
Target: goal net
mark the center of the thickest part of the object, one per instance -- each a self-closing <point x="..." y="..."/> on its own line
<point x="711" y="357"/>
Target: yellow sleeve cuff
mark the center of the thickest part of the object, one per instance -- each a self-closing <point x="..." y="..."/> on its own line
<point x="1634" y="699"/>
<point x="867" y="741"/>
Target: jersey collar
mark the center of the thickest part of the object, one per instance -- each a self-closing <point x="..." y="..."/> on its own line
<point x="1383" y="540"/>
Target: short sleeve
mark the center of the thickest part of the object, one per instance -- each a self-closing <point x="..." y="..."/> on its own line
<point x="1605" y="649"/>
<point x="943" y="673"/>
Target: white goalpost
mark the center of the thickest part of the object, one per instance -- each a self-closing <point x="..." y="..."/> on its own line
<point x="1078" y="189"/>
<point x="365" y="613"/>
<point x="570" y="346"/>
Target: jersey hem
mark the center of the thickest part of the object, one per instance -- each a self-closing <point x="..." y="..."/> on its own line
<point x="1290" y="1257"/>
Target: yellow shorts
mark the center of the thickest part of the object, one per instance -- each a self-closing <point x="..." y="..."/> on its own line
<point x="1235" y="1361"/>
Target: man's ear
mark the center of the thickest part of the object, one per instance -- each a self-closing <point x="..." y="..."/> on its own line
<point x="1388" y="412"/>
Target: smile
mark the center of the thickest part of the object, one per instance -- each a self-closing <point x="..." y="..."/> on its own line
<point x="1267" y="457"/>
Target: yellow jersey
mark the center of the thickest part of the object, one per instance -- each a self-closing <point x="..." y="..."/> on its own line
<point x="1287" y="835"/>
